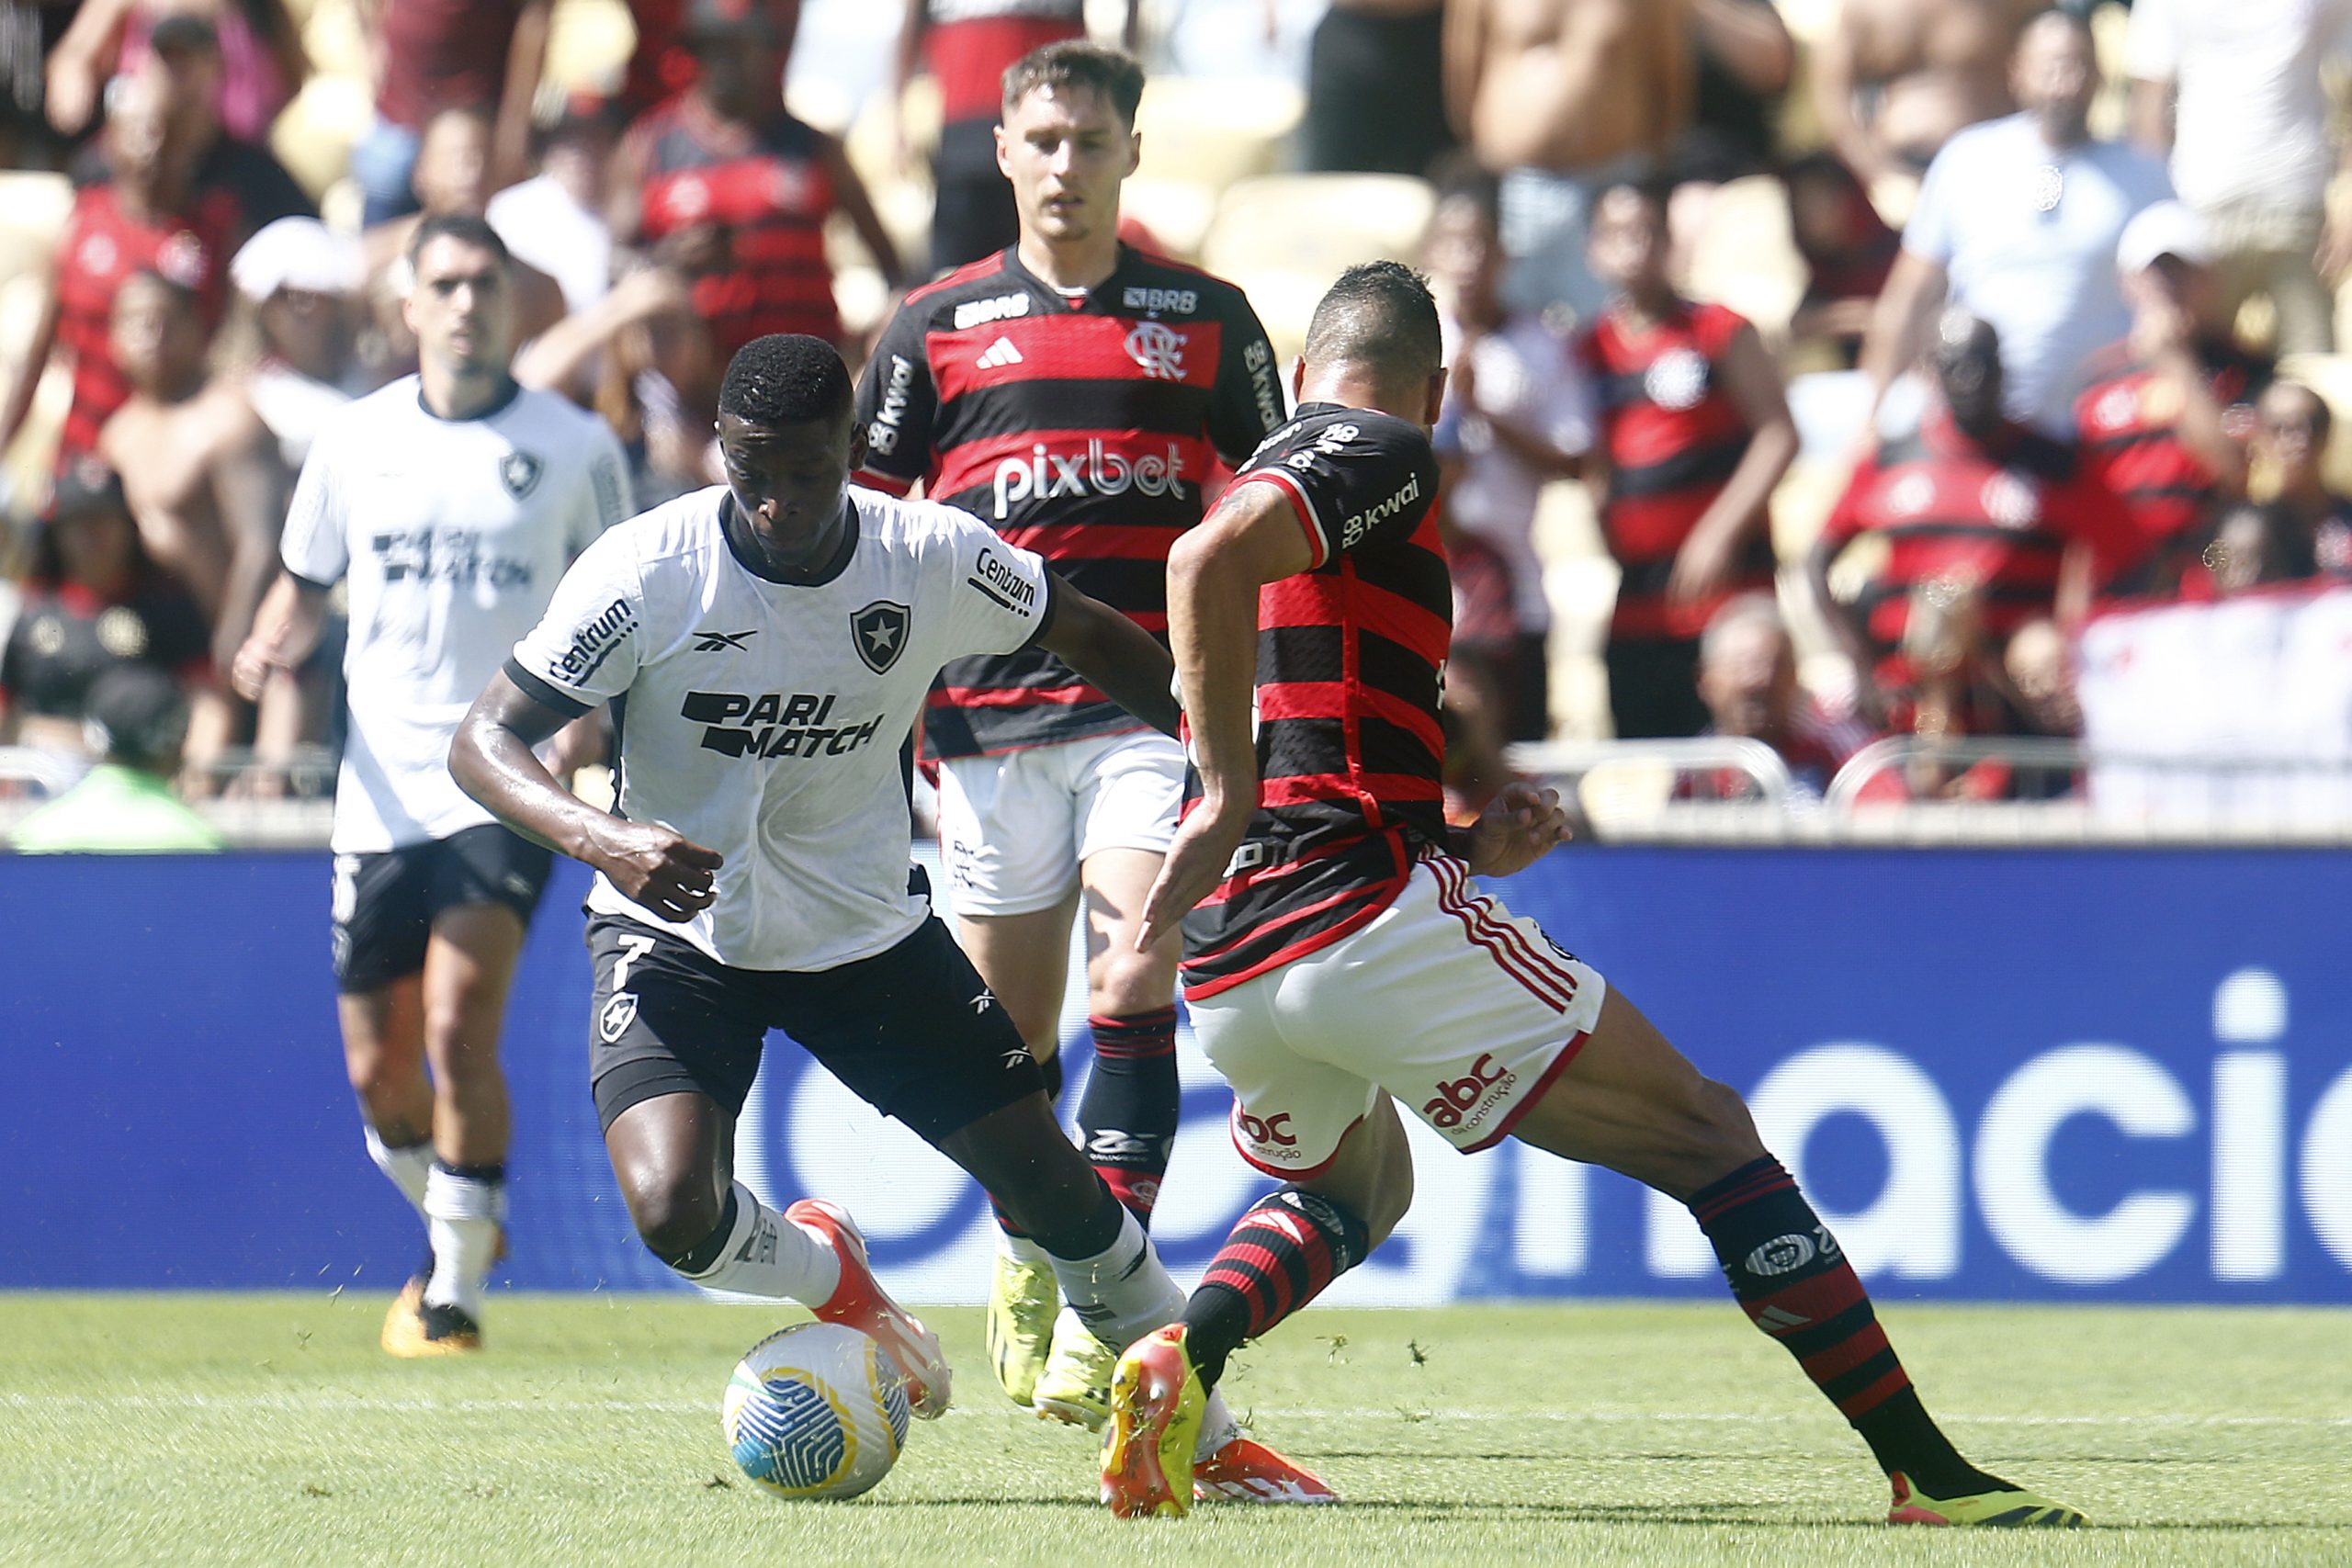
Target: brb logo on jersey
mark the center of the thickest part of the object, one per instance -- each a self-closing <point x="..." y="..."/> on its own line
<point x="773" y="724"/>
<point x="1046" y="475"/>
<point x="1157" y="350"/>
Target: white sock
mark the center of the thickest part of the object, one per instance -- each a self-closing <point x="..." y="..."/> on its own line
<point x="1020" y="1248"/>
<point x="407" y="1167"/>
<point x="767" y="1255"/>
<point x="1124" y="1291"/>
<point x="462" y="1215"/>
<point x="1218" y="1427"/>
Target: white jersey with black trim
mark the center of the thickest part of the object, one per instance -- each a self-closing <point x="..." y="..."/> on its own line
<point x="453" y="533"/>
<point x="764" y="719"/>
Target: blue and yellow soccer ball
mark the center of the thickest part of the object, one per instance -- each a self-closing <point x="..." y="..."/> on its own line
<point x="815" y="1410"/>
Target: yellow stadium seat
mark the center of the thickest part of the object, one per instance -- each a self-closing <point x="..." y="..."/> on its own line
<point x="1317" y="224"/>
<point x="1209" y="133"/>
<point x="588" y="43"/>
<point x="33" y="209"/>
<point x="314" y="134"/>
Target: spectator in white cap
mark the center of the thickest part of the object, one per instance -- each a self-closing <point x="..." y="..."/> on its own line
<point x="2018" y="222"/>
<point x="2231" y="91"/>
<point x="2169" y="411"/>
<point x="298" y="281"/>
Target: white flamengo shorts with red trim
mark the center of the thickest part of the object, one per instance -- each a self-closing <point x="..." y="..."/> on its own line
<point x="1461" y="1010"/>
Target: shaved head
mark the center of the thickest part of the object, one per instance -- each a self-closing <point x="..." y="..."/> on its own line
<point x="1379" y="318"/>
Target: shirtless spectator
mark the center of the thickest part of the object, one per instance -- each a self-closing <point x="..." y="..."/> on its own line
<point x="1747" y="678"/>
<point x="1893" y="79"/>
<point x="453" y="177"/>
<point x="727" y="186"/>
<point x="1559" y="98"/>
<point x="147" y="215"/>
<point x="2018" y="221"/>
<point x="2233" y="93"/>
<point x="430" y="55"/>
<point x="195" y="459"/>
<point x="260" y="47"/>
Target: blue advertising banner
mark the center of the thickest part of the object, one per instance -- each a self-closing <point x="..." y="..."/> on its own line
<point x="2098" y="1075"/>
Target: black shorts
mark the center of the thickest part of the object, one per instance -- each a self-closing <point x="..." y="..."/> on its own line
<point x="973" y="214"/>
<point x="912" y="1031"/>
<point x="385" y="904"/>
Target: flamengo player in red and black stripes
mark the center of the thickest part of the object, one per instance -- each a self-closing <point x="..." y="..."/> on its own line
<point x="1696" y="433"/>
<point x="1342" y="952"/>
<point x="1076" y="395"/>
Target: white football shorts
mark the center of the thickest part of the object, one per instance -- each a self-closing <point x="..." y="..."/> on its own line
<point x="1014" y="827"/>
<point x="1461" y="1010"/>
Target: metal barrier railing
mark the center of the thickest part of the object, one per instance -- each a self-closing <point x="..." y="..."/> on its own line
<point x="1575" y="760"/>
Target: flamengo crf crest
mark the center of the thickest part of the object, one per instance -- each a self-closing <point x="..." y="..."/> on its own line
<point x="880" y="633"/>
<point x="520" y="472"/>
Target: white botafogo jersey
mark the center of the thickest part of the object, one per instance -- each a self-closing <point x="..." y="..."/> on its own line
<point x="763" y="719"/>
<point x="454" y="534"/>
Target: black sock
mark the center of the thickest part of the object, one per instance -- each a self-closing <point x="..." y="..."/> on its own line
<point x="1794" y="1283"/>
<point x="1052" y="1067"/>
<point x="1126" y="1118"/>
<point x="1285" y="1249"/>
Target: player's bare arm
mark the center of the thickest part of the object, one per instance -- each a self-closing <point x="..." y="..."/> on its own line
<point x="1519" y="826"/>
<point x="286" y="630"/>
<point x="1214" y="574"/>
<point x="1112" y="653"/>
<point x="492" y="761"/>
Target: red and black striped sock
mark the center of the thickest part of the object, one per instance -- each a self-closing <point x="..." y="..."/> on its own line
<point x="1794" y="1283"/>
<point x="1126" y="1118"/>
<point x="1285" y="1251"/>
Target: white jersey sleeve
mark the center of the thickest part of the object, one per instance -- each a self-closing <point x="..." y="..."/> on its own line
<point x="585" y="652"/>
<point x="1000" y="593"/>
<point x="315" y="545"/>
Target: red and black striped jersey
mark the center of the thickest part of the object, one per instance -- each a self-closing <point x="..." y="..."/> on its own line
<point x="1081" y="428"/>
<point x="1998" y="511"/>
<point x="969" y="43"/>
<point x="769" y="187"/>
<point x="2127" y="423"/>
<point x="1350" y="750"/>
<point x="1673" y="435"/>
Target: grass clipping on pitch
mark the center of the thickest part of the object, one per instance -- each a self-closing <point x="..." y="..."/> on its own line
<point x="268" y="1429"/>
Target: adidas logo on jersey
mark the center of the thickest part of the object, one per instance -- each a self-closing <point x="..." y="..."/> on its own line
<point x="999" y="354"/>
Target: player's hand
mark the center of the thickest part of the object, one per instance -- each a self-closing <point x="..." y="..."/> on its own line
<point x="1196" y="859"/>
<point x="662" y="871"/>
<point x="1521" y="826"/>
<point x="253" y="666"/>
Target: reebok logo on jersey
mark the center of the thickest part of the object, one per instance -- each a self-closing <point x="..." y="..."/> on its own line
<point x="594" y="643"/>
<point x="999" y="354"/>
<point x="879" y="633"/>
<point x="713" y="642"/>
<point x="771" y="724"/>
<point x="1046" y="475"/>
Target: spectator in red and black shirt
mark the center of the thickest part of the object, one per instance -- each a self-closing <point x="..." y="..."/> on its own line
<point x="1974" y="508"/>
<point x="148" y="218"/>
<point x="2166" y="417"/>
<point x="431" y="55"/>
<point x="1747" y="678"/>
<point x="730" y="188"/>
<point x="967" y="45"/>
<point x="1695" y="432"/>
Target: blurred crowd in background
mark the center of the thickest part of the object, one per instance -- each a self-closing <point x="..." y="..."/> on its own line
<point x="1820" y="370"/>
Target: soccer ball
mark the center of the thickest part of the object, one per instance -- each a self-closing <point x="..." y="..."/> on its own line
<point x="815" y="1410"/>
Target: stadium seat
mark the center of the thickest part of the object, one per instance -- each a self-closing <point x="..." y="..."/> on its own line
<point x="1207" y="133"/>
<point x="313" y="135"/>
<point x="1744" y="256"/>
<point x="33" y="209"/>
<point x="1285" y="237"/>
<point x="589" y="43"/>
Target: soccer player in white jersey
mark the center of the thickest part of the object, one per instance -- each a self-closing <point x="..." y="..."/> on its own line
<point x="765" y="645"/>
<point x="451" y="502"/>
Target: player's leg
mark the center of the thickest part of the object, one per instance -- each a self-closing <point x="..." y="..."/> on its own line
<point x="1630" y="1101"/>
<point x="468" y="968"/>
<point x="380" y="933"/>
<point x="676" y="1045"/>
<point x="1007" y="833"/>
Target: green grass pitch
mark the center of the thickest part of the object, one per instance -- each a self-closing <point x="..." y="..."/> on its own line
<point x="268" y="1429"/>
